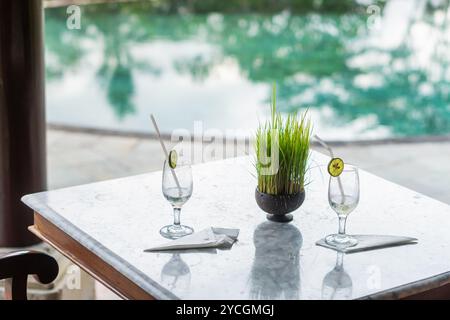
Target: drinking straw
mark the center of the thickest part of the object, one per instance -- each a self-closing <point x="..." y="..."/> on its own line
<point x="330" y="151"/>
<point x="165" y="152"/>
<point x="325" y="145"/>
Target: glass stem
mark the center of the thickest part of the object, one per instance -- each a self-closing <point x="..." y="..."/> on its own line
<point x="342" y="222"/>
<point x="176" y="216"/>
<point x="339" y="261"/>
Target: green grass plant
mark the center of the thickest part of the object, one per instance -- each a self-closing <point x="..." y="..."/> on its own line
<point x="289" y="137"/>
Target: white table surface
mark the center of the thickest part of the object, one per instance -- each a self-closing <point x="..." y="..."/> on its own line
<point x="118" y="219"/>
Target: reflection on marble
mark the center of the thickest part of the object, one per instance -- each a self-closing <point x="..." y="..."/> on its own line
<point x="276" y="267"/>
<point x="337" y="284"/>
<point x="176" y="275"/>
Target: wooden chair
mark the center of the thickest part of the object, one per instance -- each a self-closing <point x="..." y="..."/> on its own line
<point x="16" y="266"/>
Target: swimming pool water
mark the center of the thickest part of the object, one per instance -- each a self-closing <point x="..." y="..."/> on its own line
<point x="358" y="80"/>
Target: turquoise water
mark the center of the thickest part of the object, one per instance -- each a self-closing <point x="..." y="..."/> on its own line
<point x="358" y="80"/>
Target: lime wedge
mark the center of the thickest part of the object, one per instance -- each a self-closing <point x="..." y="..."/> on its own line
<point x="335" y="167"/>
<point x="173" y="157"/>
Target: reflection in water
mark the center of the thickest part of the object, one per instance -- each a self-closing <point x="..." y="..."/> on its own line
<point x="389" y="80"/>
<point x="276" y="268"/>
<point x="337" y="284"/>
<point x="120" y="91"/>
<point x="176" y="275"/>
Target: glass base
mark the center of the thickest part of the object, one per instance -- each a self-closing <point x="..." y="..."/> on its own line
<point x="341" y="240"/>
<point x="175" y="231"/>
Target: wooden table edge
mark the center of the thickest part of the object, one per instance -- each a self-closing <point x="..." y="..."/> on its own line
<point x="87" y="260"/>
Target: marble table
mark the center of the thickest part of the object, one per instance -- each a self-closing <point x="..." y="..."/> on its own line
<point x="105" y="227"/>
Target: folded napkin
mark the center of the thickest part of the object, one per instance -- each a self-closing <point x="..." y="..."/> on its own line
<point x="370" y="242"/>
<point x="207" y="238"/>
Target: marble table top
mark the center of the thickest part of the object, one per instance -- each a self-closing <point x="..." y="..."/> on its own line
<point x="119" y="219"/>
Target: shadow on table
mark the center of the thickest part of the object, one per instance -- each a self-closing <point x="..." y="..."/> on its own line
<point x="337" y="284"/>
<point x="275" y="272"/>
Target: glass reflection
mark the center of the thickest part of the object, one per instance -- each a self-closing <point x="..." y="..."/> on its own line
<point x="275" y="272"/>
<point x="337" y="284"/>
<point x="176" y="275"/>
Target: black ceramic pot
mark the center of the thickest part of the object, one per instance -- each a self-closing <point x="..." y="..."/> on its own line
<point x="278" y="207"/>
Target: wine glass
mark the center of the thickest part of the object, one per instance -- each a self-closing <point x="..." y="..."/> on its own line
<point x="177" y="189"/>
<point x="343" y="196"/>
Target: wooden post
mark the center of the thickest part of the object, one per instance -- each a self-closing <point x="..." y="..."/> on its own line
<point x="22" y="117"/>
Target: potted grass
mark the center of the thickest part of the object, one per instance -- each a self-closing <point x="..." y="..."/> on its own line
<point x="282" y="152"/>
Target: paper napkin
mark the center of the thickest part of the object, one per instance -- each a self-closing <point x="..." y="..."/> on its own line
<point x="370" y="242"/>
<point x="207" y="238"/>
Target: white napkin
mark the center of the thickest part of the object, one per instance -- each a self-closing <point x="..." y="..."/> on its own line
<point x="207" y="238"/>
<point x="370" y="242"/>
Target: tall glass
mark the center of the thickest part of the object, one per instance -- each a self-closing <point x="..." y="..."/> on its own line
<point x="343" y="196"/>
<point x="177" y="188"/>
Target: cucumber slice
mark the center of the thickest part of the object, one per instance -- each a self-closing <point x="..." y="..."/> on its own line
<point x="173" y="158"/>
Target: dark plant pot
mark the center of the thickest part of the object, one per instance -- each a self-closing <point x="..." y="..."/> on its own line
<point x="278" y="207"/>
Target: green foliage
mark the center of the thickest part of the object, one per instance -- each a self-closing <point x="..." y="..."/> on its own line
<point x="239" y="6"/>
<point x="263" y="6"/>
<point x="290" y="138"/>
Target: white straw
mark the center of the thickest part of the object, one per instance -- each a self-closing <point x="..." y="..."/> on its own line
<point x="165" y="153"/>
<point x="326" y="146"/>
